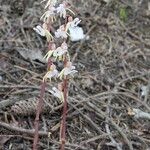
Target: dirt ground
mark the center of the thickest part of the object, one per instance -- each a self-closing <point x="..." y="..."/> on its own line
<point x="108" y="96"/>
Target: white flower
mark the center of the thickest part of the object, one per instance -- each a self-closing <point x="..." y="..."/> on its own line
<point x="62" y="10"/>
<point x="57" y="93"/>
<point x="75" y="22"/>
<point x="60" y="51"/>
<point x="50" y="52"/>
<point x="61" y="32"/>
<point x="68" y="70"/>
<point x="50" y="3"/>
<point x="72" y="23"/>
<point x="57" y="53"/>
<point x="53" y="72"/>
<point x="77" y="34"/>
<point x="43" y="31"/>
<point x="49" y="15"/>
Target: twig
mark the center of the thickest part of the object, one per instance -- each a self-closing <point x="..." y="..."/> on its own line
<point x="31" y="72"/>
<point x="94" y="97"/>
<point x="104" y="135"/>
<point x="101" y="114"/>
<point x="113" y="141"/>
<point x="21" y="86"/>
<point x="132" y="34"/>
<point x="89" y="121"/>
<point x="73" y="146"/>
<point x="9" y="102"/>
<point x="21" y="130"/>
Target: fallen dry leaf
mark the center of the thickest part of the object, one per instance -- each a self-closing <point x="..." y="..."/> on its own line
<point x="34" y="54"/>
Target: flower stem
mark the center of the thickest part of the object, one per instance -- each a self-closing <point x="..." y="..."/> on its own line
<point x="38" y="112"/>
<point x="39" y="109"/>
<point x="64" y="115"/>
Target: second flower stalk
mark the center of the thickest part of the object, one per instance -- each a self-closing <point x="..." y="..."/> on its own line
<point x="58" y="54"/>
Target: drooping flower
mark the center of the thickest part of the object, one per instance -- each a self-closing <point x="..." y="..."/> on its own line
<point x="49" y="15"/>
<point x="50" y="3"/>
<point x="50" y="52"/>
<point x="57" y="52"/>
<point x="72" y="23"/>
<point x="61" y="51"/>
<point x="69" y="70"/>
<point x="61" y="33"/>
<point x="75" y="22"/>
<point x="57" y="92"/>
<point x="62" y="10"/>
<point x="42" y="30"/>
<point x="53" y="72"/>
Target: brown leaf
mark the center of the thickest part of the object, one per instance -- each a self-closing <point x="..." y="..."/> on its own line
<point x="31" y="54"/>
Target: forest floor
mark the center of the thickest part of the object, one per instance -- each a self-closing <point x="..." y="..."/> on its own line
<point x="109" y="98"/>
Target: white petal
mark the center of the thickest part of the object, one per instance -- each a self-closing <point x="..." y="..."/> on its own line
<point x="55" y="92"/>
<point x="39" y="30"/>
<point x="54" y="73"/>
<point x="76" y="34"/>
<point x="75" y="22"/>
<point x="60" y="53"/>
<point x="57" y="33"/>
<point x="72" y="67"/>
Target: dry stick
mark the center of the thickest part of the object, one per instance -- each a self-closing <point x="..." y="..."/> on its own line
<point x="113" y="141"/>
<point x="101" y="114"/>
<point x="132" y="34"/>
<point x="22" y="130"/>
<point x="28" y="132"/>
<point x="39" y="109"/>
<point x="89" y="121"/>
<point x="9" y="102"/>
<point x="93" y="97"/>
<point x="68" y="145"/>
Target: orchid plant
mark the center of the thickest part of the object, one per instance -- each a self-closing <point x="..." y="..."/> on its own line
<point x="54" y="10"/>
